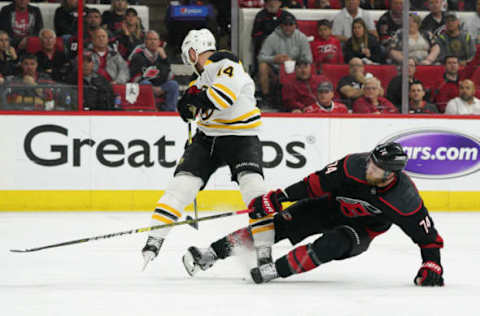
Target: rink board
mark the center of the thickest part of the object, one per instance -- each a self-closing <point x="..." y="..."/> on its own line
<point x="125" y="162"/>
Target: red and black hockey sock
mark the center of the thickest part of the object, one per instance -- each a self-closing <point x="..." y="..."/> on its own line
<point x="239" y="238"/>
<point x="332" y="245"/>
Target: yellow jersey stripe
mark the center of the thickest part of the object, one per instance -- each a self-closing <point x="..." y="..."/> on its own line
<point x="169" y="208"/>
<point x="192" y="83"/>
<point x="262" y="229"/>
<point x="217" y="99"/>
<point x="161" y="218"/>
<point x="240" y="118"/>
<point x="253" y="125"/>
<point x="226" y="90"/>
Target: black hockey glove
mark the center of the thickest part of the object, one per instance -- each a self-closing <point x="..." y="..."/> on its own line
<point x="186" y="106"/>
<point x="430" y="274"/>
<point x="266" y="204"/>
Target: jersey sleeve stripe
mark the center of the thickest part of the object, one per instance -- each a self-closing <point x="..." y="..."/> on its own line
<point x="226" y="90"/>
<point x="223" y="95"/>
<point x="169" y="208"/>
<point x="161" y="218"/>
<point x="216" y="99"/>
<point x="239" y="118"/>
<point x="256" y="124"/>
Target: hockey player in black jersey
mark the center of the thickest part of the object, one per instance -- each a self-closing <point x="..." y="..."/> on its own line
<point x="350" y="201"/>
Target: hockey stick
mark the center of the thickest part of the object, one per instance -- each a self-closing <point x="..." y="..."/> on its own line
<point x="132" y="231"/>
<point x="194" y="224"/>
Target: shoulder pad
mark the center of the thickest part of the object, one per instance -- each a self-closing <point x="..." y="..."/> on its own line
<point x="354" y="167"/>
<point x="223" y="54"/>
<point x="403" y="198"/>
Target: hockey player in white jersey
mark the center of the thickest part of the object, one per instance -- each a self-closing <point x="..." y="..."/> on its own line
<point x="222" y="100"/>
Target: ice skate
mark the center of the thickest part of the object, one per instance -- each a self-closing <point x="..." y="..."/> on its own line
<point x="198" y="259"/>
<point x="264" y="273"/>
<point x="151" y="249"/>
<point x="264" y="255"/>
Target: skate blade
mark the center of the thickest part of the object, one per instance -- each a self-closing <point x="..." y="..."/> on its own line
<point x="189" y="264"/>
<point x="147" y="257"/>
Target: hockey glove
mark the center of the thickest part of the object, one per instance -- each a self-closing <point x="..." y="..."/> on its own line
<point x="430" y="274"/>
<point x="266" y="204"/>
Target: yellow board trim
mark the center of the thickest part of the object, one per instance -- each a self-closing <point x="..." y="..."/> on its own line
<point x="217" y="99"/>
<point x="219" y="200"/>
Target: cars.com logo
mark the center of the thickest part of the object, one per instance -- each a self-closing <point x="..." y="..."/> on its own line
<point x="439" y="153"/>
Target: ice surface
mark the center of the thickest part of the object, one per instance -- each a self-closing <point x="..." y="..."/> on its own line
<point x="104" y="278"/>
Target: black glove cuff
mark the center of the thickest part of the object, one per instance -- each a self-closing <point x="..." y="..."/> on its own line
<point x="297" y="191"/>
<point x="431" y="254"/>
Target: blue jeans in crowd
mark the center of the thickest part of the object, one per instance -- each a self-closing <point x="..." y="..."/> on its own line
<point x="171" y="94"/>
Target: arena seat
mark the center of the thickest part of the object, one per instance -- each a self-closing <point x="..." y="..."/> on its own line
<point x="429" y="75"/>
<point x="384" y="73"/>
<point x="334" y="4"/>
<point x="476" y="78"/>
<point x="145" y="100"/>
<point x="34" y="45"/>
<point x="309" y="28"/>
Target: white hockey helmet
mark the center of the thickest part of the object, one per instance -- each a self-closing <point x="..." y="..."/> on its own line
<point x="200" y="41"/>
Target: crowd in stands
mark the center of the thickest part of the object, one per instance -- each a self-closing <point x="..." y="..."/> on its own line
<point x="442" y="50"/>
<point x="122" y="59"/>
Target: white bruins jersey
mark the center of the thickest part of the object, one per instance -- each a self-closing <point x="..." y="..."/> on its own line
<point x="232" y="91"/>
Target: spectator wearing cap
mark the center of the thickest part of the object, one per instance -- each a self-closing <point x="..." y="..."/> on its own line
<point x="285" y="43"/>
<point x="390" y="22"/>
<point x="417" y="103"/>
<point x="455" y="42"/>
<point x="394" y="89"/>
<point x="131" y="35"/>
<point x="371" y="102"/>
<point x="466" y="103"/>
<point x="300" y="92"/>
<point x="65" y="18"/>
<point x="472" y="26"/>
<point x="149" y="66"/>
<point x="326" y="48"/>
<point x="265" y="22"/>
<point x="324" y="101"/>
<point x="107" y="61"/>
<point x="20" y="20"/>
<point x="435" y="20"/>
<point x="98" y="92"/>
<point x="362" y="44"/>
<point x="342" y="22"/>
<point x="113" y="19"/>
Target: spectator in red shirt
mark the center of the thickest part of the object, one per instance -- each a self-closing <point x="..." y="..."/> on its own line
<point x="326" y="48"/>
<point x="371" y="102"/>
<point x="447" y="87"/>
<point x="325" y="103"/>
<point x="20" y="19"/>
<point x="299" y="93"/>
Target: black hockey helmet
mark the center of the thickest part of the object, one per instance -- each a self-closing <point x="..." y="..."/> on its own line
<point x="389" y="157"/>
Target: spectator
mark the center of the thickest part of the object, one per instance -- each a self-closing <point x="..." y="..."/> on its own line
<point x="50" y="60"/>
<point x="293" y="4"/>
<point x="299" y="93"/>
<point x="374" y="4"/>
<point x="394" y="89"/>
<point x="455" y="42"/>
<point x="251" y="3"/>
<point x="285" y="43"/>
<point x="472" y="26"/>
<point x="466" y="103"/>
<point x="97" y="91"/>
<point x="265" y="23"/>
<point x="447" y="87"/>
<point x="8" y="57"/>
<point x="435" y="20"/>
<point x="326" y="48"/>
<point x="421" y="47"/>
<point x="342" y="22"/>
<point x="461" y="5"/>
<point x="325" y="103"/>
<point x="390" y="21"/>
<point x="107" y="61"/>
<point x="29" y="71"/>
<point x="417" y="103"/>
<point x="371" y="101"/>
<point x="132" y="33"/>
<point x="20" y="19"/>
<point x="350" y="87"/>
<point x="66" y="18"/>
<point x="325" y="4"/>
<point x="419" y="5"/>
<point x="151" y="66"/>
<point x="113" y="18"/>
<point x="362" y="44"/>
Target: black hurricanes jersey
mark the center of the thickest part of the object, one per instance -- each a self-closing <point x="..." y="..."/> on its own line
<point x="343" y="183"/>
